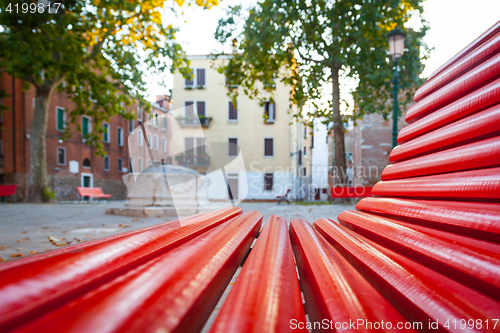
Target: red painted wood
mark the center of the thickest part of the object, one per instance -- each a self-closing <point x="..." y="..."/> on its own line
<point x="266" y="295"/>
<point x="478" y="185"/>
<point x="474" y="128"/>
<point x="473" y="79"/>
<point x="468" y="62"/>
<point x="333" y="289"/>
<point x="478" y="100"/>
<point x="495" y="29"/>
<point x="472" y="219"/>
<point x="7" y="190"/>
<point x="92" y="192"/>
<point x="175" y="292"/>
<point x="56" y="279"/>
<point x="419" y="292"/>
<point x="471" y="263"/>
<point x="477" y="155"/>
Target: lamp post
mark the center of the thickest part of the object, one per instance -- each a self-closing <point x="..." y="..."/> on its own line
<point x="396" y="49"/>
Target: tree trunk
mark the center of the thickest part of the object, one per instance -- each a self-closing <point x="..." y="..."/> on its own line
<point x="37" y="178"/>
<point x="338" y="132"/>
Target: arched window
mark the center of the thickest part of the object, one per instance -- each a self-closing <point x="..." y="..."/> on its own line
<point x="86" y="163"/>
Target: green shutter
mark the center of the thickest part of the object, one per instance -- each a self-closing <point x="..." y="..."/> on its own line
<point x="60" y="119"/>
<point x="85" y="126"/>
<point x="106" y="132"/>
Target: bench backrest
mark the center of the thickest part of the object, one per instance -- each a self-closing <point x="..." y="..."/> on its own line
<point x="6" y="190"/>
<point x="84" y="191"/>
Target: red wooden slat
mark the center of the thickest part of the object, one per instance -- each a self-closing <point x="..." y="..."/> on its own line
<point x="478" y="220"/>
<point x="477" y="185"/>
<point x="469" y="48"/>
<point x="482" y="154"/>
<point x="473" y="79"/>
<point x="334" y="291"/>
<point x="55" y="279"/>
<point x="474" y="102"/>
<point x="473" y="128"/>
<point x="419" y="292"/>
<point x="175" y="292"/>
<point x="471" y="60"/>
<point x="473" y="264"/>
<point x="266" y="295"/>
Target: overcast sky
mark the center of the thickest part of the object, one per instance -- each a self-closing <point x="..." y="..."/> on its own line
<point x="453" y="25"/>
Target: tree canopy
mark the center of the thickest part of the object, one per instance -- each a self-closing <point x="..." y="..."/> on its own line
<point x="317" y="41"/>
<point x="97" y="51"/>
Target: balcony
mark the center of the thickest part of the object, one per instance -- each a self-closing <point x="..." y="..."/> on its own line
<point x="193" y="160"/>
<point x="194" y="121"/>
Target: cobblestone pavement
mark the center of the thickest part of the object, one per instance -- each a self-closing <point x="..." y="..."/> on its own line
<point x="27" y="229"/>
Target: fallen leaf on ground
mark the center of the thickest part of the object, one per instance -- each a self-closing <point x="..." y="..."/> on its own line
<point x="3" y="247"/>
<point x="15" y="255"/>
<point x="26" y="238"/>
<point x="1" y="260"/>
<point x="33" y="252"/>
<point x="24" y="232"/>
<point x="55" y="241"/>
<point x="124" y="226"/>
<point x="20" y="240"/>
<point x="158" y="216"/>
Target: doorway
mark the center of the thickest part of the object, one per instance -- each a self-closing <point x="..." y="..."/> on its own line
<point x="87" y="180"/>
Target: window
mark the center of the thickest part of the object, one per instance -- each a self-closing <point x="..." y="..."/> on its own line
<point x="304" y="171"/>
<point x="269" y="112"/>
<point x="189" y="83"/>
<point x="268" y="181"/>
<point x="140" y="138"/>
<point x="1" y="148"/>
<point x="300" y="157"/>
<point x="233" y="112"/>
<point x="156" y="119"/>
<point x="119" y="136"/>
<point x="141" y="165"/>
<point x="233" y="147"/>
<point x="140" y="113"/>
<point x="86" y="163"/>
<point x="131" y="126"/>
<point x="60" y="119"/>
<point x="269" y="147"/>
<point x="131" y="164"/>
<point x="164" y="144"/>
<point x="165" y="123"/>
<point x="86" y="126"/>
<point x="61" y="156"/>
<point x="200" y="77"/>
<point x="105" y="135"/>
<point x="200" y="108"/>
<point x="106" y="163"/>
<point x="188" y="109"/>
<point x="324" y="191"/>
<point x="156" y="142"/>
<point x="305" y="132"/>
<point x="120" y="165"/>
<point x="305" y="151"/>
<point x="150" y="140"/>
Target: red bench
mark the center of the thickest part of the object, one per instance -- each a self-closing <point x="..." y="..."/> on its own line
<point x="283" y="197"/>
<point x="422" y="254"/>
<point x="92" y="192"/>
<point x="7" y="190"/>
<point x="351" y="192"/>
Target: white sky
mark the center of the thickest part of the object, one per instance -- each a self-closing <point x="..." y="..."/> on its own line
<point x="453" y="25"/>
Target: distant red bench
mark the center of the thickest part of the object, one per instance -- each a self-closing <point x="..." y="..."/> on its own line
<point x="92" y="192"/>
<point x="283" y="197"/>
<point x="351" y="192"/>
<point x="7" y="190"/>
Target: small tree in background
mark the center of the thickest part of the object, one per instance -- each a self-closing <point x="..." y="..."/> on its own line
<point x="96" y="51"/>
<point x="318" y="41"/>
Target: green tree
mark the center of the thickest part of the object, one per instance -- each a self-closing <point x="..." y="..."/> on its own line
<point x="318" y="41"/>
<point x="96" y="51"/>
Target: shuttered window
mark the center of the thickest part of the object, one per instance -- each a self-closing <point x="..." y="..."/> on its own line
<point x="268" y="181"/>
<point x="85" y="126"/>
<point x="61" y="119"/>
<point x="233" y="112"/>
<point x="233" y="147"/>
<point x="200" y="76"/>
<point x="200" y="108"/>
<point x="120" y="165"/>
<point x="268" y="147"/>
<point x="106" y="163"/>
<point x="61" y="156"/>
<point x="269" y="112"/>
<point x="190" y="83"/>
<point x="105" y="136"/>
<point x="119" y="134"/>
<point x="189" y="109"/>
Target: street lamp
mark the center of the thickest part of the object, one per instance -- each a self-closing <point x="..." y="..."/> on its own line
<point x="396" y="49"/>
